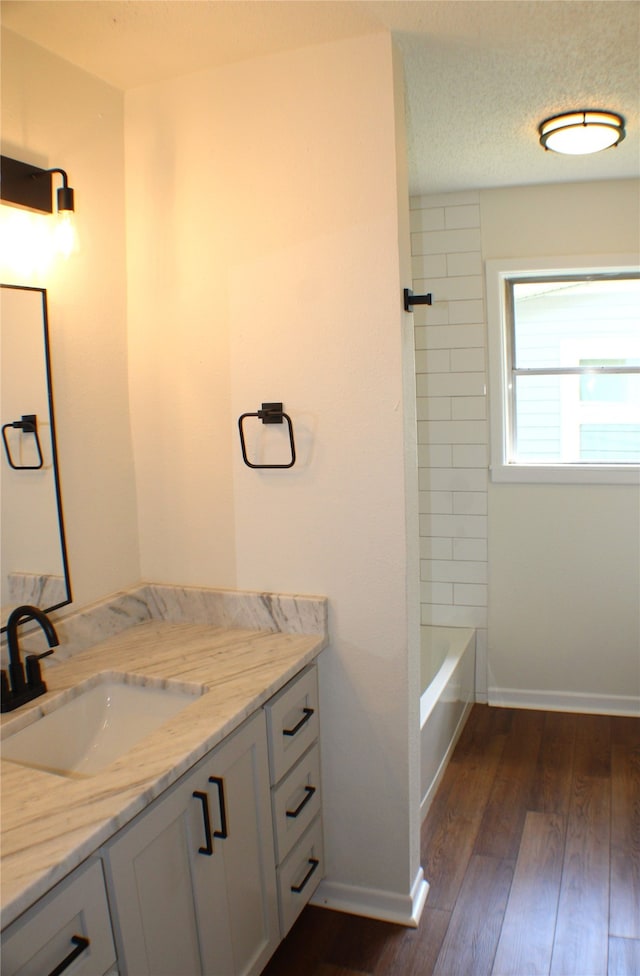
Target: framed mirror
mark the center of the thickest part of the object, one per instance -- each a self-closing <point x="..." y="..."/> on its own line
<point x="34" y="564"/>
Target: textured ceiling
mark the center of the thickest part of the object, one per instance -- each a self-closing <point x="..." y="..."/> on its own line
<point x="480" y="74"/>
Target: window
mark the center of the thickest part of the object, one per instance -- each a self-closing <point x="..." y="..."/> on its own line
<point x="564" y="371"/>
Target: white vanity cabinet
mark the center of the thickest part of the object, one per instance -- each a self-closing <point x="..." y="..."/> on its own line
<point x="66" y="931"/>
<point x="293" y="727"/>
<point x="209" y="877"/>
<point x="191" y="880"/>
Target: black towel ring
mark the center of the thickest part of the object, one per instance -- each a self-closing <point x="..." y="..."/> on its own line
<point x="28" y="425"/>
<point x="270" y="413"/>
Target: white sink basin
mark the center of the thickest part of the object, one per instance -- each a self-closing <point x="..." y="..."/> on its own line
<point x="97" y="724"/>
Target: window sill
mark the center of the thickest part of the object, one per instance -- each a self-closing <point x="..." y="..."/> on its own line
<point x="567" y="474"/>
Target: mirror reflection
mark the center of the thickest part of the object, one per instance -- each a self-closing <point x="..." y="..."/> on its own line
<point x="33" y="549"/>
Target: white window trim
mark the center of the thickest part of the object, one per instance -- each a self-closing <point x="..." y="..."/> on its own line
<point x="496" y="272"/>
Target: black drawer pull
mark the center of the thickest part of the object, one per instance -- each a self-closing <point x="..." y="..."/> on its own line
<point x="310" y="790"/>
<point x="223" y="832"/>
<point x="314" y="862"/>
<point x="308" y="712"/>
<point x="204" y="799"/>
<point x="80" y="944"/>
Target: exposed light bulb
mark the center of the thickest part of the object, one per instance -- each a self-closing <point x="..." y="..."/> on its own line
<point x="64" y="235"/>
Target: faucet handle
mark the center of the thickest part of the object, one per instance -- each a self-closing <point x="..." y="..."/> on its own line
<point x="32" y="667"/>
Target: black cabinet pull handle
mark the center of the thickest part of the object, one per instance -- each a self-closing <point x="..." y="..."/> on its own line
<point x="309" y="791"/>
<point x="314" y="862"/>
<point x="80" y="944"/>
<point x="308" y="712"/>
<point x="204" y="799"/>
<point x="223" y="832"/>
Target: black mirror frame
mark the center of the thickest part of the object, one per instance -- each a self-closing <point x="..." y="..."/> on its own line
<point x="54" y="448"/>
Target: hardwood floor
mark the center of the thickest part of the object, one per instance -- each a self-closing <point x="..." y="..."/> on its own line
<point x="532" y="851"/>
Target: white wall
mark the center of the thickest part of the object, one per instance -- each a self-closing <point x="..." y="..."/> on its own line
<point x="56" y="115"/>
<point x="264" y="264"/>
<point x="564" y="560"/>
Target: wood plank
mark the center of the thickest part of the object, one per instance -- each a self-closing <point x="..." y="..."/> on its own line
<point x="306" y="945"/>
<point x="470" y="943"/>
<point x="361" y="943"/>
<point x="483" y="725"/>
<point x="625" y="730"/>
<point x="624" y="957"/>
<point x="551" y="789"/>
<point x="450" y="829"/>
<point x="502" y="824"/>
<point x="582" y="929"/>
<point x="327" y="969"/>
<point x="593" y="746"/>
<point x="526" y="939"/>
<point x="414" y="952"/>
<point x="625" y="831"/>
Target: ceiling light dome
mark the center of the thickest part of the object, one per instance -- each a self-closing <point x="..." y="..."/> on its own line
<point x="579" y="133"/>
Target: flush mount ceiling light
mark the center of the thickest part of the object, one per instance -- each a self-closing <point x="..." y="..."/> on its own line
<point x="579" y="133"/>
<point x="29" y="186"/>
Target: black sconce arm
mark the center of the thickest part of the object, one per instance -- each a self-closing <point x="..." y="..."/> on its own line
<point x="65" y="192"/>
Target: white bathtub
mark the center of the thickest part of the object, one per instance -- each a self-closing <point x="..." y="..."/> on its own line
<point x="447" y="671"/>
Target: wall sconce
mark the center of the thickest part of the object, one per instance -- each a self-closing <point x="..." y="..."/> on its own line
<point x="583" y="132"/>
<point x="25" y="185"/>
<point x="28" y="187"/>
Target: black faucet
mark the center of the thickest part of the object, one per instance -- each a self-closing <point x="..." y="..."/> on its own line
<point x="21" y="687"/>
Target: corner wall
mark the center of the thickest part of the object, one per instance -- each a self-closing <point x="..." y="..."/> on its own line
<point x="264" y="265"/>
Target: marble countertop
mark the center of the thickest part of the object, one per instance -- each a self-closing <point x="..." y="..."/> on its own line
<point x="51" y="823"/>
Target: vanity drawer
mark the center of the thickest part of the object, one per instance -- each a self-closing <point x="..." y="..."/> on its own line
<point x="296" y="802"/>
<point x="72" y="919"/>
<point x="299" y="875"/>
<point x="292" y="722"/>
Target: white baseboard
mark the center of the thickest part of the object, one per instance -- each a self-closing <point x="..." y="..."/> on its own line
<point x="387" y="906"/>
<point x="565" y="701"/>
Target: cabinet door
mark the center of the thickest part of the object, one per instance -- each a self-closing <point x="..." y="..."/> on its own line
<point x="150" y="869"/>
<point x="67" y="929"/>
<point x="193" y="878"/>
<point x="237" y="780"/>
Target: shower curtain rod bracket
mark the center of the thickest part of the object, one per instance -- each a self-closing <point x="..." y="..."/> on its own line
<point x="410" y="300"/>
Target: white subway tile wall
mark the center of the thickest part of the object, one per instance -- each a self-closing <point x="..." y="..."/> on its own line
<point x="453" y="435"/>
